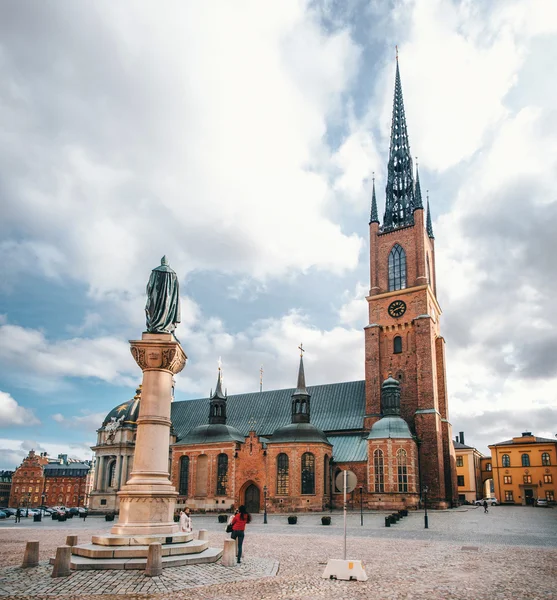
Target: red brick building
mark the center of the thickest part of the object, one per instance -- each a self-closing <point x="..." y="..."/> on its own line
<point x="268" y="449"/>
<point x="5" y="487"/>
<point x="43" y="481"/>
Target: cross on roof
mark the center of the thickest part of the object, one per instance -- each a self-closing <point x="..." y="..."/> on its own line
<point x="301" y="349"/>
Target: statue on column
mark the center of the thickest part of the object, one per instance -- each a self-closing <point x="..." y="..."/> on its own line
<point x="163" y="303"/>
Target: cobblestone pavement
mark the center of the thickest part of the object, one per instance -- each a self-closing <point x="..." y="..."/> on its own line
<point x="508" y="554"/>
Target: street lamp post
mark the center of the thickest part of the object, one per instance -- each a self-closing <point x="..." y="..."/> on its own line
<point x="361" y="506"/>
<point x="265" y="507"/>
<point x="426" y="524"/>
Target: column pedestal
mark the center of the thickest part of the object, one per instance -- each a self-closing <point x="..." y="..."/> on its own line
<point x="148" y="498"/>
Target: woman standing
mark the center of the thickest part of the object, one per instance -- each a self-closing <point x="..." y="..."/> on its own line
<point x="239" y="522"/>
<point x="185" y="521"/>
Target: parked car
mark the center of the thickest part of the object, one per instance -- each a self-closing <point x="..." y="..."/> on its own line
<point x="10" y="512"/>
<point x="3" y="515"/>
<point x="73" y="510"/>
<point x="490" y="501"/>
<point x="542" y="502"/>
<point x="82" y="510"/>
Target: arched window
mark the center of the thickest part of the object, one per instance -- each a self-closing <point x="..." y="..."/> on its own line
<point x="506" y="460"/>
<point x="326" y="474"/>
<point x="308" y="473"/>
<point x="222" y="474"/>
<point x="402" y="469"/>
<point x="282" y="475"/>
<point x="379" y="471"/>
<point x="201" y="475"/>
<point x="546" y="460"/>
<point x="397" y="344"/>
<point x="184" y="475"/>
<point x="397" y="268"/>
<point x="525" y="460"/>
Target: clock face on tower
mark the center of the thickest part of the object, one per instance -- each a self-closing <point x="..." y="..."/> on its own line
<point x="397" y="308"/>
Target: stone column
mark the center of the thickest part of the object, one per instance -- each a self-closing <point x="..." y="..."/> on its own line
<point x="147" y="500"/>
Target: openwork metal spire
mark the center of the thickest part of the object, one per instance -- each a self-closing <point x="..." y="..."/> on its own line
<point x="399" y="206"/>
<point x="428" y="225"/>
<point x="374" y="217"/>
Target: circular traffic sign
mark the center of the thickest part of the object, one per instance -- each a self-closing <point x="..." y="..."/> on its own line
<point x="351" y="481"/>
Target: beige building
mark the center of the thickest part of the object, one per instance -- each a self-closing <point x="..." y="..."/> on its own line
<point x="468" y="471"/>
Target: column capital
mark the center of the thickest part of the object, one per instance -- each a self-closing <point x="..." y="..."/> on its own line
<point x="158" y="352"/>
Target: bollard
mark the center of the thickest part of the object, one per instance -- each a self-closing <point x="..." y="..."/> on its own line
<point x="71" y="540"/>
<point x="203" y="534"/>
<point x="31" y="556"/>
<point x="153" y="568"/>
<point x="62" y="562"/>
<point x="387" y="521"/>
<point x="229" y="554"/>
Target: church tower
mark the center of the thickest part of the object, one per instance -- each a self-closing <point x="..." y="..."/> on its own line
<point x="403" y="335"/>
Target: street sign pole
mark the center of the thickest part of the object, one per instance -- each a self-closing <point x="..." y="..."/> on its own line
<point x="345" y="492"/>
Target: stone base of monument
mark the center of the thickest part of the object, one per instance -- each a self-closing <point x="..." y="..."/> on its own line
<point x="345" y="569"/>
<point x="130" y="552"/>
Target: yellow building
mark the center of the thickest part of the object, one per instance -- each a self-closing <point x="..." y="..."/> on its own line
<point x="468" y="471"/>
<point x="524" y="469"/>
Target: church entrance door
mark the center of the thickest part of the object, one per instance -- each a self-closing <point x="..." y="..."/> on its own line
<point x="252" y="498"/>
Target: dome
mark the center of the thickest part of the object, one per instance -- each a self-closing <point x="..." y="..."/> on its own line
<point x="299" y="432"/>
<point x="390" y="427"/>
<point x="128" y="409"/>
<point x="207" y="434"/>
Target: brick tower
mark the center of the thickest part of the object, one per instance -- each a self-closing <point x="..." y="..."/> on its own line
<point x="403" y="336"/>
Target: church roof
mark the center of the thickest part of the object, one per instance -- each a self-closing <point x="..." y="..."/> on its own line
<point x="128" y="409"/>
<point x="299" y="432"/>
<point x="390" y="427"/>
<point x="348" y="448"/>
<point x="334" y="407"/>
<point x="537" y="440"/>
<point x="208" y="434"/>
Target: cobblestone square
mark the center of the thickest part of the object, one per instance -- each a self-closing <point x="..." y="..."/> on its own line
<point x="510" y="553"/>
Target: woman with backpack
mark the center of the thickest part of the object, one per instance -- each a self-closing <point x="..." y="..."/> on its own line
<point x="239" y="522"/>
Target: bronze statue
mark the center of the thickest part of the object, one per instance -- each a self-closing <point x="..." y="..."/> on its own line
<point x="163" y="301"/>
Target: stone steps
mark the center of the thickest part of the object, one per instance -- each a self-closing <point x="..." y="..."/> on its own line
<point x="98" y="551"/>
<point x="79" y="563"/>
<point x="141" y="540"/>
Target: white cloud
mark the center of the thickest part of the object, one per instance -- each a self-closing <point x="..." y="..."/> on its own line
<point x="87" y="420"/>
<point x="13" y="451"/>
<point x="12" y="413"/>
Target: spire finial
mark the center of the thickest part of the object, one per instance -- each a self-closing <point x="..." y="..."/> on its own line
<point x="428" y="224"/>
<point x="261" y="379"/>
<point x="396" y="50"/>
<point x="301" y="349"/>
<point x="374" y="216"/>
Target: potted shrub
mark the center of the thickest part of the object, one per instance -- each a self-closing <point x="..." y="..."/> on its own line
<point x="325" y="520"/>
<point x="223" y="518"/>
<point x="292" y="520"/>
<point x="109" y="517"/>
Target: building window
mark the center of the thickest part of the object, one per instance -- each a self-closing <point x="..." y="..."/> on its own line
<point x="506" y="460"/>
<point x="550" y="496"/>
<point x="488" y="467"/>
<point x="459" y="461"/>
<point x="111" y="475"/>
<point x="184" y="475"/>
<point x="460" y="480"/>
<point x="507" y="479"/>
<point x="402" y="470"/>
<point x="379" y="475"/>
<point x="222" y="474"/>
<point x="546" y="461"/>
<point x="103" y="501"/>
<point x="397" y="345"/>
<point x="508" y="496"/>
<point x="525" y="460"/>
<point x="308" y="473"/>
<point x="282" y="474"/>
<point x="548" y="479"/>
<point x="527" y="478"/>
<point x="397" y="268"/>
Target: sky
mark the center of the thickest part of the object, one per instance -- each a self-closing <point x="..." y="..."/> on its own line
<point x="240" y="140"/>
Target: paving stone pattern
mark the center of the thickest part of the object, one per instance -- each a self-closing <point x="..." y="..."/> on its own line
<point x="509" y="554"/>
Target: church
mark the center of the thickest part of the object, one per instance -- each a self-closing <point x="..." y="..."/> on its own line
<point x="282" y="450"/>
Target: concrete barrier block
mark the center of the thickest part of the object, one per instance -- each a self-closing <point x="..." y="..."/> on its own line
<point x="203" y="534"/>
<point x="71" y="540"/>
<point x="153" y="568"/>
<point x="229" y="554"/>
<point x="62" y="562"/>
<point x="31" y="556"/>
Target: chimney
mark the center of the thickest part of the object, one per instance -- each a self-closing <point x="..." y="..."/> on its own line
<point x="461" y="436"/>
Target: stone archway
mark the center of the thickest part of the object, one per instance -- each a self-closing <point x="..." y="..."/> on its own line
<point x="252" y="498"/>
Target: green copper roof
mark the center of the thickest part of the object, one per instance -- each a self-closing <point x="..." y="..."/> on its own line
<point x="390" y="427"/>
<point x="429" y="226"/>
<point x="334" y="407"/>
<point x="374" y="216"/>
<point x="299" y="432"/>
<point x="348" y="448"/>
<point x="208" y="434"/>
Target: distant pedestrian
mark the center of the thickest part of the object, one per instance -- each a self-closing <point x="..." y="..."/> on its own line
<point x="18" y="515"/>
<point x="185" y="522"/>
<point x="485" y="506"/>
<point x="239" y="523"/>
